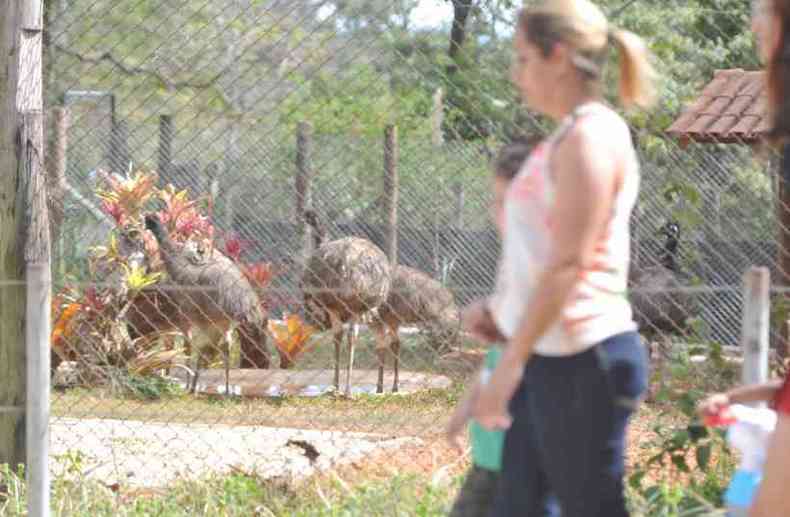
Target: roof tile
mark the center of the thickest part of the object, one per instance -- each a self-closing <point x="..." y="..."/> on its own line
<point x="730" y="108"/>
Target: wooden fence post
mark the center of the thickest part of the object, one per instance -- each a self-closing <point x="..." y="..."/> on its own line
<point x="118" y="154"/>
<point x="165" y="155"/>
<point x="56" y="170"/>
<point x="755" y="325"/>
<point x="460" y="195"/>
<point x="391" y="185"/>
<point x="12" y="343"/>
<point x="304" y="151"/>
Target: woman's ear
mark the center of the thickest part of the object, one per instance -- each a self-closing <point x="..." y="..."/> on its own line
<point x="561" y="57"/>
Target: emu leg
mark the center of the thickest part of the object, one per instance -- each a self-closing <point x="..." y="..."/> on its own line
<point x="196" y="364"/>
<point x="337" y="335"/>
<point x="380" y="334"/>
<point x="381" y="353"/>
<point x="338" y="338"/>
<point x="196" y="369"/>
<point x="396" y="353"/>
<point x="353" y="333"/>
<point x="226" y="358"/>
<point x="255" y="351"/>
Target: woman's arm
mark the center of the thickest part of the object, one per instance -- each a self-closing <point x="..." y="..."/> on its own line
<point x="741" y="395"/>
<point x="754" y="392"/>
<point x="462" y="412"/>
<point x="585" y="175"/>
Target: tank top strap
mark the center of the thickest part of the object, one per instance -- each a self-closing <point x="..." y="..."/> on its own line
<point x="568" y="122"/>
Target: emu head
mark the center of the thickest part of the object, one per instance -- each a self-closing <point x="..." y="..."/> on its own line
<point x="670" y="230"/>
<point x="132" y="246"/>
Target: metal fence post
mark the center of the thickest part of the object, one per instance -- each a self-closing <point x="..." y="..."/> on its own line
<point x="37" y="259"/>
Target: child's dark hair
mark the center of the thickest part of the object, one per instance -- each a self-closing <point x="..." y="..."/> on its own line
<point x="511" y="156"/>
<point x="779" y="77"/>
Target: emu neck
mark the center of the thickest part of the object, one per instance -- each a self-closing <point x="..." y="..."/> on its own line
<point x="670" y="251"/>
<point x="319" y="234"/>
<point x="166" y="244"/>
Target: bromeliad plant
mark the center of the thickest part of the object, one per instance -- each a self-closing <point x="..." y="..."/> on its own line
<point x="86" y="328"/>
<point x="291" y="336"/>
<point x="126" y="198"/>
<point x="182" y="218"/>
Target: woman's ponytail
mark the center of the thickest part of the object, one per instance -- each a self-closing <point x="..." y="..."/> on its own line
<point x="637" y="75"/>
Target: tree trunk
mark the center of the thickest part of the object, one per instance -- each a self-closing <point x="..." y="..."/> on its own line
<point x="12" y="304"/>
<point x="461" y="11"/>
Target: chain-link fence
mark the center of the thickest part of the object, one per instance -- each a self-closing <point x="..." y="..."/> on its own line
<point x="195" y="136"/>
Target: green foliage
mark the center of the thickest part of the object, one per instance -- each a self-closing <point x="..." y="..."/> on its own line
<point x="149" y="387"/>
<point x="235" y="494"/>
<point x="699" y="456"/>
<point x="357" y="102"/>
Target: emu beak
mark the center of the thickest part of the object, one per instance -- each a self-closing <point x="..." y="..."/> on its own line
<point x="137" y="260"/>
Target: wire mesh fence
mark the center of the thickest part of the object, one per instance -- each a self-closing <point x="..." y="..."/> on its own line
<point x="193" y="136"/>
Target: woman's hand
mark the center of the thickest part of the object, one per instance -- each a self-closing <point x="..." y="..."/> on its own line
<point x="476" y="319"/>
<point x="491" y="410"/>
<point x="452" y="432"/>
<point x="712" y="405"/>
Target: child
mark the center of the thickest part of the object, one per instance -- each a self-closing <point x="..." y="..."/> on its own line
<point x="477" y="494"/>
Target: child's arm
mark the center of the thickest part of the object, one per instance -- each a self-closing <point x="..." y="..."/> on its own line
<point x="462" y="412"/>
<point x="740" y="395"/>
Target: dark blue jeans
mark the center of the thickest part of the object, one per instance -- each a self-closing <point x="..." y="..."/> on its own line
<point x="568" y="433"/>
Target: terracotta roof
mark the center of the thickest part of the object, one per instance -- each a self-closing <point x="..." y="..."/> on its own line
<point x="731" y="108"/>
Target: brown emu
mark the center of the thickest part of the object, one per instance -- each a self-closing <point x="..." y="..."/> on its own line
<point x="414" y="298"/>
<point x="213" y="294"/>
<point x="342" y="280"/>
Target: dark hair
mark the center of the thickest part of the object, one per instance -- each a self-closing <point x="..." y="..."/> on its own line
<point x="511" y="156"/>
<point x="778" y="80"/>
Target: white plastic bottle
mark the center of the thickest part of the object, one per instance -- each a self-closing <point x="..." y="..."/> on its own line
<point x="749" y="431"/>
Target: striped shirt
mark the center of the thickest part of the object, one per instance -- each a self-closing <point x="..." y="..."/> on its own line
<point x="598" y="307"/>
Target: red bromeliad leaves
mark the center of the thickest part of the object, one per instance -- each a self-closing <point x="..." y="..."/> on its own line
<point x="181" y="216"/>
<point x="192" y="224"/>
<point x="92" y="300"/>
<point x="259" y="274"/>
<point x="127" y="196"/>
<point x="114" y="210"/>
<point x="235" y="246"/>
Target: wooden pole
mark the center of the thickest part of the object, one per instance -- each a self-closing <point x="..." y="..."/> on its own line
<point x="37" y="258"/>
<point x="12" y="307"/>
<point x="755" y="325"/>
<point x="118" y="153"/>
<point x="391" y="185"/>
<point x="304" y="151"/>
<point x="458" y="190"/>
<point x="165" y="148"/>
<point x="56" y="170"/>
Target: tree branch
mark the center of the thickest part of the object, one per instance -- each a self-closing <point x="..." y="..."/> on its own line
<point x="137" y="70"/>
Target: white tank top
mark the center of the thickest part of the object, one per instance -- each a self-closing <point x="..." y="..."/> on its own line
<point x="598" y="307"/>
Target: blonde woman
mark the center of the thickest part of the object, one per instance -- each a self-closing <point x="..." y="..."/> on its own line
<point x="574" y="369"/>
